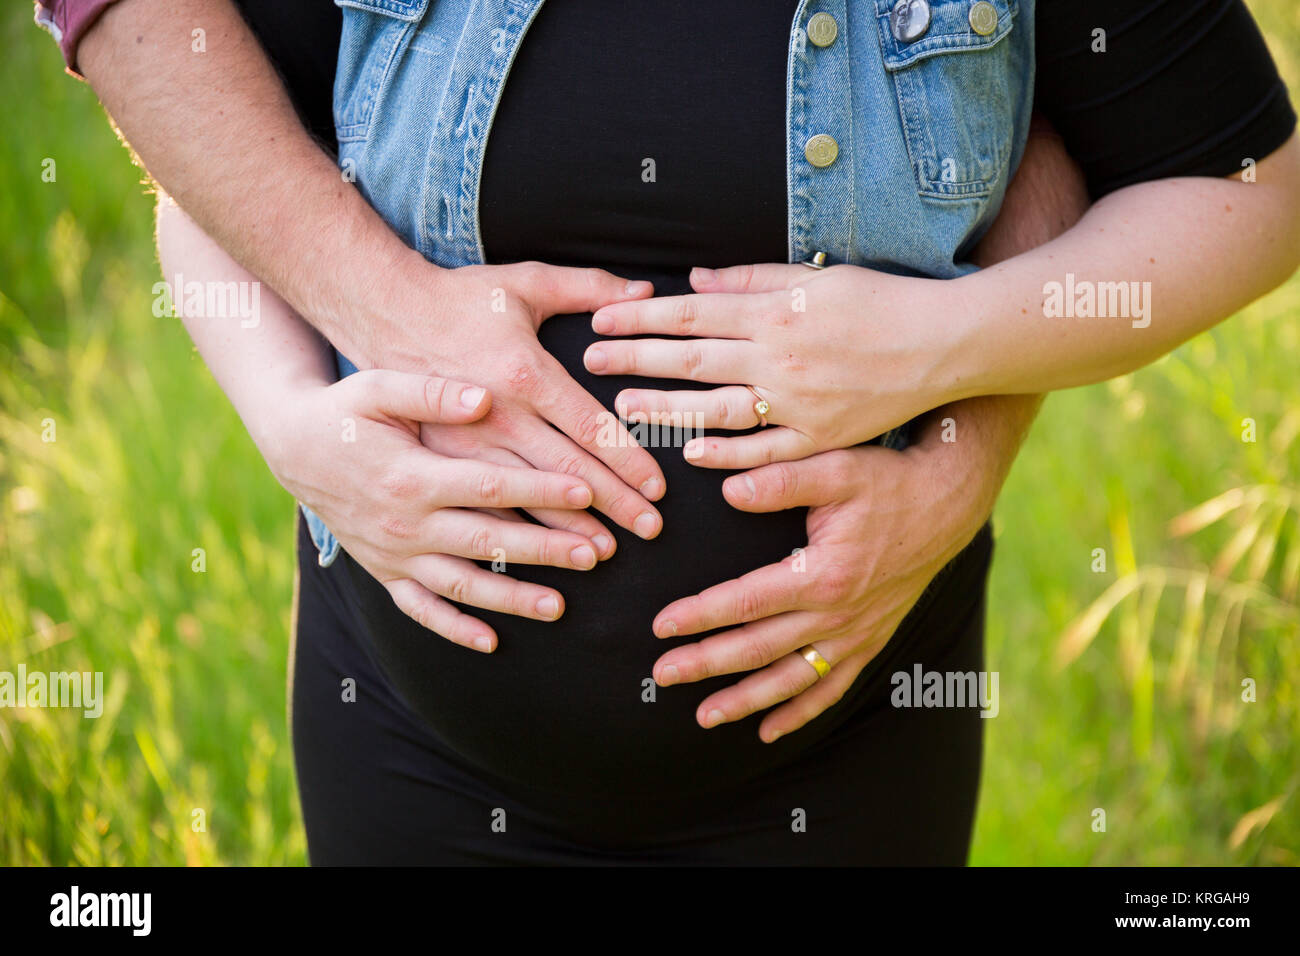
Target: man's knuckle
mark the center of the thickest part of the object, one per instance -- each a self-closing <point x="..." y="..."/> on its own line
<point x="434" y="388"/>
<point x="685" y="316"/>
<point x="692" y="360"/>
<point x="588" y="427"/>
<point x="702" y="667"/>
<point x="570" y="463"/>
<point x="837" y="621"/>
<point x="834" y="584"/>
<point x="459" y="587"/>
<point x="394" y="526"/>
<point x="785" y="480"/>
<point x="491" y="489"/>
<point x="480" y="543"/>
<point x="748" y="605"/>
<point x="753" y="654"/>
<point x="791" y="684"/>
<point x="521" y="373"/>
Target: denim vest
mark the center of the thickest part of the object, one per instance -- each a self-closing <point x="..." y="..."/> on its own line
<point x="901" y="132"/>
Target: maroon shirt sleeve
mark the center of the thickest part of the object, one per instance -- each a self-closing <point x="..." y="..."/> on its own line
<point x="67" y="21"/>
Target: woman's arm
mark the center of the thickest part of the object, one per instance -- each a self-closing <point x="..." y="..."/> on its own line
<point x="880" y="523"/>
<point x="351" y="451"/>
<point x="844" y="354"/>
<point x="1147" y="268"/>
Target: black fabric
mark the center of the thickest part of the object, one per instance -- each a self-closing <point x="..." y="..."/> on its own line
<point x="552" y="727"/>
<point x="301" y="37"/>
<point x="1184" y="88"/>
<point x="893" y="786"/>
<point x="659" y="147"/>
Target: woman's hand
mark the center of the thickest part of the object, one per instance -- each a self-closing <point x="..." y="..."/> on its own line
<point x="351" y="452"/>
<point x="881" y="525"/>
<point x="841" y="355"/>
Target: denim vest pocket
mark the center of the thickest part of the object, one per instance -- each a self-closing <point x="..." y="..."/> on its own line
<point x="373" y="34"/>
<point x="953" y="87"/>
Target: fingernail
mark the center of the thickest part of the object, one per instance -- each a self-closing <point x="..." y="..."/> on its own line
<point x="583" y="557"/>
<point x="631" y="404"/>
<point x="702" y="276"/>
<point x="667" y="629"/>
<point x="774" y="738"/>
<point x="652" y="489"/>
<point x="604" y="544"/>
<point x="637" y="287"/>
<point x="578" y="496"/>
<point x="668" y="676"/>
<point x="742" y="487"/>
<point x="470" y="397"/>
<point x="646" y="525"/>
<point x="483" y="644"/>
<point x="715" y="717"/>
<point x="595" y="359"/>
<point x="693" y="451"/>
<point x="548" y="607"/>
<point x="602" y="323"/>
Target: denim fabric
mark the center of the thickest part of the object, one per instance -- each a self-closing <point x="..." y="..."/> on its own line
<point x="929" y="132"/>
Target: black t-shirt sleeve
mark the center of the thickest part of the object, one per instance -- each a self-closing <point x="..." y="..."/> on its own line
<point x="301" y="37"/>
<point x="1184" y="88"/>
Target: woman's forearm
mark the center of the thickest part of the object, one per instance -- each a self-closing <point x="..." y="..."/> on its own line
<point x="258" y="361"/>
<point x="1146" y="269"/>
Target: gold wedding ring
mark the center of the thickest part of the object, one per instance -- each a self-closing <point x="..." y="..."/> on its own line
<point x="761" y="407"/>
<point x="819" y="664"/>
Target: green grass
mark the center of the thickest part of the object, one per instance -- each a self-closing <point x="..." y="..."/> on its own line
<point x="98" y="528"/>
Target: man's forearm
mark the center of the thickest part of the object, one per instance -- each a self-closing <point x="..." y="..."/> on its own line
<point x="981" y="436"/>
<point x="217" y="130"/>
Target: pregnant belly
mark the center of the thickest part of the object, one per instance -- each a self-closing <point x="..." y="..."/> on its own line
<point x="570" y="706"/>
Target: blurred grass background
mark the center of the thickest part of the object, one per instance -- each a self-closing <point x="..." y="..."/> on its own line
<point x="1133" y="709"/>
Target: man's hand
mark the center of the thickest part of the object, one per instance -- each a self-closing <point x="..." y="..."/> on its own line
<point x="880" y="525"/>
<point x="219" y="134"/>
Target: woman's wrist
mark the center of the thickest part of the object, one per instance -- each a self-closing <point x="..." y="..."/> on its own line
<point x="270" y="415"/>
<point x="973" y="351"/>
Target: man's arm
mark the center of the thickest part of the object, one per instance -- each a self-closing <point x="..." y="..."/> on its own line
<point x="1046" y="198"/>
<point x="216" y="129"/>
<point x="218" y="132"/>
<point x="880" y="526"/>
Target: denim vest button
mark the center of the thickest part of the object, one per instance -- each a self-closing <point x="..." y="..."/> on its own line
<point x="821" y="150"/>
<point x="983" y="17"/>
<point x="909" y="20"/>
<point x="822" y="29"/>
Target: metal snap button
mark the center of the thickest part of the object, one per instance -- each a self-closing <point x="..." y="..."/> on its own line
<point x="822" y="29"/>
<point x="983" y="17"/>
<point x="821" y="150"/>
<point x="909" y="20"/>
